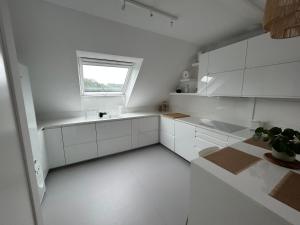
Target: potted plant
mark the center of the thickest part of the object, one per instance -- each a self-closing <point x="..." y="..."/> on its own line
<point x="285" y="143"/>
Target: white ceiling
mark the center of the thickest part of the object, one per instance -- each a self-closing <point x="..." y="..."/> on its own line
<point x="200" y="21"/>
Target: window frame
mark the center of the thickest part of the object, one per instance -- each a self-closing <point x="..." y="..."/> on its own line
<point x="103" y="62"/>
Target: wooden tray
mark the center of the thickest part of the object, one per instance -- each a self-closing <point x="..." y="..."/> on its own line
<point x="232" y="160"/>
<point x="258" y="143"/>
<point x="291" y="165"/>
<point x="176" y="115"/>
<point x="287" y="190"/>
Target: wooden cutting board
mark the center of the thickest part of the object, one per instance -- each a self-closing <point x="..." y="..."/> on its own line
<point x="175" y="115"/>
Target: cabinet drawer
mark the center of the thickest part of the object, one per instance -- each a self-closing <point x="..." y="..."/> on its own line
<point x="147" y="138"/>
<point x="81" y="152"/>
<point x="112" y="146"/>
<point x="167" y="125"/>
<point x="79" y="134"/>
<point x="212" y="134"/>
<point x="114" y="129"/>
<point x="167" y="140"/>
<point x="148" y="124"/>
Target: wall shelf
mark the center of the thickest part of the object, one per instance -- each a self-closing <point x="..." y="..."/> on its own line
<point x="184" y="94"/>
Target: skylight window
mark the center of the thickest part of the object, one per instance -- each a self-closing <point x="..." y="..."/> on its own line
<point x="103" y="76"/>
<point x="107" y="75"/>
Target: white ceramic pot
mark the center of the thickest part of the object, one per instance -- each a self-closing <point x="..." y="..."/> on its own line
<point x="282" y="156"/>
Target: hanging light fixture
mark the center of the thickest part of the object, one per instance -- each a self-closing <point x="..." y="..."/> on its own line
<point x="282" y="18"/>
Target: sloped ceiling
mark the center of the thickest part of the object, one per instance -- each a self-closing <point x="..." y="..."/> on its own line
<point x="200" y="21"/>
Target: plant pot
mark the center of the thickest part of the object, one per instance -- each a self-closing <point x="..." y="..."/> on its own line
<point x="283" y="156"/>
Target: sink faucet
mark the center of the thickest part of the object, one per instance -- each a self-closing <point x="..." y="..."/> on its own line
<point x="101" y="114"/>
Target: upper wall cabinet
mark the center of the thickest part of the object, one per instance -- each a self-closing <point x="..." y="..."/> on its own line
<point x="231" y="57"/>
<point x="225" y="84"/>
<point x="262" y="51"/>
<point x="202" y="73"/>
<point x="277" y="81"/>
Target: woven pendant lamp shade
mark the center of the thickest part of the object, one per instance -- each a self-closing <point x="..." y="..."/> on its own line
<point x="282" y="18"/>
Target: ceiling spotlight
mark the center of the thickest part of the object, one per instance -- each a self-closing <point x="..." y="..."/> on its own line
<point x="151" y="14"/>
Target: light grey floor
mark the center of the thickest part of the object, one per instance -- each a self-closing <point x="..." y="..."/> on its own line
<point x="149" y="186"/>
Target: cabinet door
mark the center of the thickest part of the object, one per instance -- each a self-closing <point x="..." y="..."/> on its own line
<point x="202" y="73"/>
<point x="54" y="147"/>
<point x="167" y="125"/>
<point x="114" y="129"/>
<point x="81" y="152"/>
<point x="228" y="58"/>
<point x="262" y="50"/>
<point x="184" y="140"/>
<point x="281" y="81"/>
<point x="226" y="84"/>
<point x="115" y="145"/>
<point x="144" y="131"/>
<point x="79" y="134"/>
<point x="167" y="140"/>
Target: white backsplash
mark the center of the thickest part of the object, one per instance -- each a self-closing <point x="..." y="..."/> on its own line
<point x="275" y="112"/>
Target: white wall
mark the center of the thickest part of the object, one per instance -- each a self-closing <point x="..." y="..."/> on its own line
<point x="15" y="201"/>
<point x="47" y="37"/>
<point x="274" y="112"/>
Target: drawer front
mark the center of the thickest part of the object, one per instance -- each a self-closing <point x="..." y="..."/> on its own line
<point x="167" y="140"/>
<point x="148" y="124"/>
<point x="112" y="146"/>
<point x="215" y="135"/>
<point x="81" y="152"/>
<point x="147" y="138"/>
<point x="167" y="125"/>
<point x="114" y="129"/>
<point x="79" y="134"/>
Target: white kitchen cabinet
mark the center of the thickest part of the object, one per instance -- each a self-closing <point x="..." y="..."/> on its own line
<point x="54" y="147"/>
<point x="202" y="73"/>
<point x="225" y="84"/>
<point x="184" y="140"/>
<point x="81" y="152"/>
<point x="145" y="131"/>
<point x="79" y="134"/>
<point x="262" y="50"/>
<point x="167" y="140"/>
<point x="167" y="131"/>
<point x="277" y="81"/>
<point x="113" y="146"/>
<point x="228" y="58"/>
<point x="113" y="129"/>
<point x="113" y="137"/>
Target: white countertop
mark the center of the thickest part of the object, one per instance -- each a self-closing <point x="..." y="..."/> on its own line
<point x="255" y="182"/>
<point x="244" y="133"/>
<point x="84" y="120"/>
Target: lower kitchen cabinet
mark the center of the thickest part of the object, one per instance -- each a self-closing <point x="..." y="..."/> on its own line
<point x="184" y="140"/>
<point x="115" y="145"/>
<point x="167" y="140"/>
<point x="54" y="147"/>
<point x="145" y="131"/>
<point x="81" y="152"/>
<point x="167" y="131"/>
